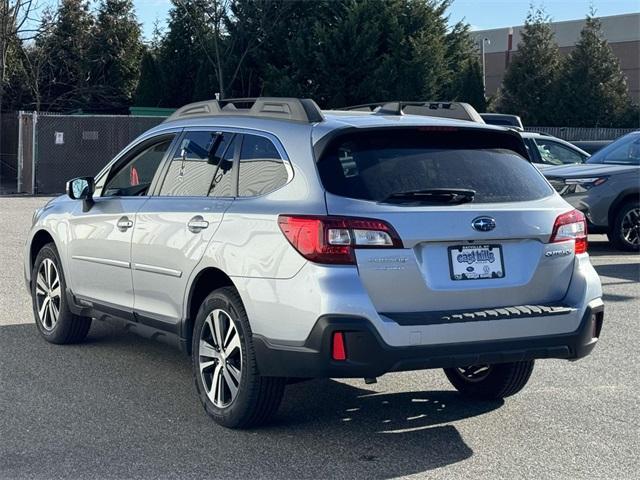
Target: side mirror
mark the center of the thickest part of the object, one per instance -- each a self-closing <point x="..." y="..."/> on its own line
<point x="82" y="188"/>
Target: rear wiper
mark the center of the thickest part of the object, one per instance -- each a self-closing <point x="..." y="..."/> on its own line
<point x="433" y="195"/>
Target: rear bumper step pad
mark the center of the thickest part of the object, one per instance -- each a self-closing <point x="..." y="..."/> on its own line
<point x="460" y="316"/>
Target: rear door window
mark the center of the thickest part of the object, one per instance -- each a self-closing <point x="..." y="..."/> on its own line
<point x="262" y="169"/>
<point x="200" y="163"/>
<point x="375" y="164"/>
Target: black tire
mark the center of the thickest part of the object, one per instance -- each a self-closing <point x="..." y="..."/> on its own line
<point x="68" y="328"/>
<point x="616" y="232"/>
<point x="499" y="381"/>
<point x="257" y="398"/>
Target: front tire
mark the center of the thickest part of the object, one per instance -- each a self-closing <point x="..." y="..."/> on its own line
<point x="490" y="382"/>
<point x="54" y="320"/>
<point x="225" y="371"/>
<point x="624" y="234"/>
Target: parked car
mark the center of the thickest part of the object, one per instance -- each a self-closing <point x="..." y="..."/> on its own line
<point x="503" y="119"/>
<point x="607" y="190"/>
<point x="545" y="150"/>
<point x="271" y="240"/>
<point x="591" y="146"/>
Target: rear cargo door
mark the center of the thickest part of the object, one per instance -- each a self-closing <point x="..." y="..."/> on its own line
<point x="474" y="218"/>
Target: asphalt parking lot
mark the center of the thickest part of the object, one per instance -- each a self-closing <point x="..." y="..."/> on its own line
<point x="119" y="406"/>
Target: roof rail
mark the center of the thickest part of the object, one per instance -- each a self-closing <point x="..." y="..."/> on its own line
<point x="296" y="109"/>
<point x="456" y="110"/>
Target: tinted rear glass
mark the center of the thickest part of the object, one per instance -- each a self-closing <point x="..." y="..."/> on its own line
<point x="373" y="165"/>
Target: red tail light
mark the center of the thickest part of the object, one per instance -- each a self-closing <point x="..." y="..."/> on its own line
<point x="338" y="351"/>
<point x="332" y="240"/>
<point x="571" y="225"/>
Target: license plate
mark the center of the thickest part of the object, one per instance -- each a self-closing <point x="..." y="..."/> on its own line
<point x="476" y="262"/>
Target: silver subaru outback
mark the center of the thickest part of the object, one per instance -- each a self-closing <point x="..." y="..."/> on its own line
<point x="271" y="241"/>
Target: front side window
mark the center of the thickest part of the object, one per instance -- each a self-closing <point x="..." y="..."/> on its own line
<point x="134" y="177"/>
<point x="261" y="167"/>
<point x="201" y="164"/>
<point x="555" y="153"/>
<point x="379" y="165"/>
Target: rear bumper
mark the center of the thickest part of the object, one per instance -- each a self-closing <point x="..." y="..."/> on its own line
<point x="369" y="356"/>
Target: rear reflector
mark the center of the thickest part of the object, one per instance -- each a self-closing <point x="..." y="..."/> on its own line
<point x="571" y="226"/>
<point x="338" y="351"/>
<point x="332" y="240"/>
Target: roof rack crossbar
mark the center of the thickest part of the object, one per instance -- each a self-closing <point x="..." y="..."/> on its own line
<point x="456" y="110"/>
<point x="295" y="109"/>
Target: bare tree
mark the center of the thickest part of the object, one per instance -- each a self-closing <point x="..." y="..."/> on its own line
<point x="34" y="63"/>
<point x="17" y="20"/>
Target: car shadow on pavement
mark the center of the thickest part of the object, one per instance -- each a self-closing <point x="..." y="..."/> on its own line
<point x="121" y="406"/>
<point x="629" y="272"/>
<point x="598" y="248"/>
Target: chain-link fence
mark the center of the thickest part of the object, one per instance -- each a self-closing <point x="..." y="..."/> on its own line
<point x="54" y="148"/>
<point x="582" y="133"/>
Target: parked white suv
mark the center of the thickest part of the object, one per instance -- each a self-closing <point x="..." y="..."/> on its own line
<point x="271" y="240"/>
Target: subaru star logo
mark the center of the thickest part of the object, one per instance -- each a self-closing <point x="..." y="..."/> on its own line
<point x="483" y="224"/>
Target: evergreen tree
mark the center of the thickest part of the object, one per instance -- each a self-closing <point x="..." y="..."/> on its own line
<point x="418" y="49"/>
<point x="349" y="57"/>
<point x="65" y="45"/>
<point x="183" y="50"/>
<point x="471" y="89"/>
<point x="464" y="82"/>
<point x="255" y="40"/>
<point x="531" y="76"/>
<point x="149" y="89"/>
<point x="592" y="88"/>
<point x="115" y="54"/>
<point x="286" y="66"/>
<point x="362" y="51"/>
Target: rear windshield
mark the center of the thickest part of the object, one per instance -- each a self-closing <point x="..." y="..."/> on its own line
<point x="374" y="165"/>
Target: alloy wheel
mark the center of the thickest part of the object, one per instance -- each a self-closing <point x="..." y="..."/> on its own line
<point x="631" y="227"/>
<point x="48" y="294"/>
<point x="474" y="373"/>
<point x="220" y="358"/>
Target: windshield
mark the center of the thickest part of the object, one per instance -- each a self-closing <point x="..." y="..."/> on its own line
<point x="624" y="151"/>
<point x="378" y="165"/>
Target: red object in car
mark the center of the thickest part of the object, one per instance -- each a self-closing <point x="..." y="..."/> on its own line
<point x="133" y="177"/>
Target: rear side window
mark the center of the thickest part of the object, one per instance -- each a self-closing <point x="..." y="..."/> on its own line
<point x="375" y="165"/>
<point x="625" y="153"/>
<point x="199" y="164"/>
<point x="261" y="167"/>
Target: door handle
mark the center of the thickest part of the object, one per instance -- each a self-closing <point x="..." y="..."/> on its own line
<point x="124" y="224"/>
<point x="197" y="224"/>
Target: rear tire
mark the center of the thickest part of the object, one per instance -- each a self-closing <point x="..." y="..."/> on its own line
<point x="490" y="382"/>
<point x="54" y="320"/>
<point x="225" y="371"/>
<point x="624" y="234"/>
